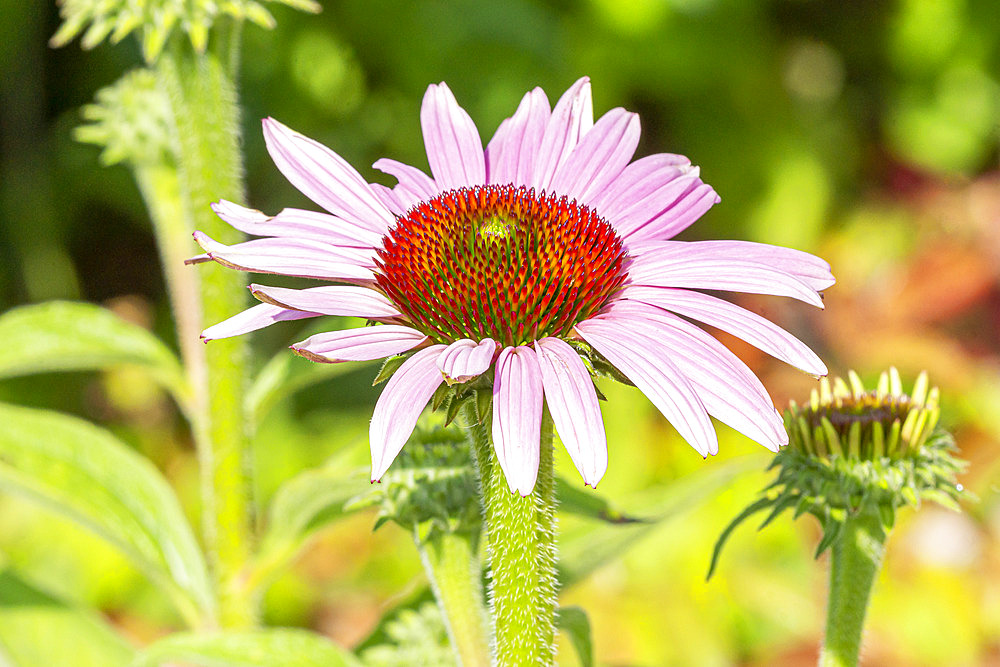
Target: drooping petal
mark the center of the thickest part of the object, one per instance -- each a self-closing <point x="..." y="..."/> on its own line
<point x="633" y="353"/>
<point x="343" y="300"/>
<point x="414" y="185"/>
<point x="253" y="319"/>
<point x="362" y="344"/>
<point x="669" y="268"/>
<point x="572" y="401"/>
<point x="465" y="359"/>
<point x="325" y="177"/>
<point x="454" y="149"/>
<point x="297" y="223"/>
<point x="572" y="117"/>
<point x="513" y="150"/>
<point x="517" y="416"/>
<point x="396" y="412"/>
<point x="740" y="322"/>
<point x="600" y="156"/>
<point x="637" y="182"/>
<point x="808" y="268"/>
<point x="729" y="390"/>
<point x="303" y="258"/>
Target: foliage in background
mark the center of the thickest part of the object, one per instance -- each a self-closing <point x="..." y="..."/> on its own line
<point x="866" y="132"/>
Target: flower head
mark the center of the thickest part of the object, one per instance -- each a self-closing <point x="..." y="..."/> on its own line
<point x="520" y="269"/>
<point x="854" y="450"/>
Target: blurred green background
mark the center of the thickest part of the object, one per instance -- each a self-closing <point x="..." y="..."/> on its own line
<point x="866" y="133"/>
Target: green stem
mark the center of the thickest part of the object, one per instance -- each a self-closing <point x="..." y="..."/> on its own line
<point x="160" y="186"/>
<point x="521" y="534"/>
<point x="203" y="101"/>
<point x="855" y="561"/>
<point x="453" y="570"/>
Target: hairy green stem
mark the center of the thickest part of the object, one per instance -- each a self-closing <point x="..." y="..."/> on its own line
<point x="206" y="115"/>
<point x="854" y="564"/>
<point x="453" y="570"/>
<point x="521" y="536"/>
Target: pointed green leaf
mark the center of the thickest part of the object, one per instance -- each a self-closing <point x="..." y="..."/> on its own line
<point x="590" y="546"/>
<point x="575" y="623"/>
<point x="586" y="502"/>
<point x="302" y="506"/>
<point x="38" y="629"/>
<point x="274" y="647"/>
<point x="85" y="473"/>
<point x="68" y="336"/>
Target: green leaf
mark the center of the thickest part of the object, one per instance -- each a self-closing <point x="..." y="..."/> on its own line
<point x="588" y="548"/>
<point x="284" y="375"/>
<point x="85" y="473"/>
<point x="38" y="629"/>
<point x="302" y="506"/>
<point x="67" y="336"/>
<point x="574" y="622"/>
<point x="583" y="502"/>
<point x="276" y="647"/>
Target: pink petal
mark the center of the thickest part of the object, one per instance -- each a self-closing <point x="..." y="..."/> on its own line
<point x="454" y="149"/>
<point x="810" y="269"/>
<point x="343" y="300"/>
<point x="572" y="401"/>
<point x="600" y="156"/>
<point x="297" y="223"/>
<point x="517" y="416"/>
<point x="325" y="177"/>
<point x="729" y="390"/>
<point x="638" y="181"/>
<point x="252" y="319"/>
<point x="571" y="119"/>
<point x="388" y="197"/>
<point x="657" y="377"/>
<point x="673" y="267"/>
<point x="465" y="359"/>
<point x="362" y="344"/>
<point x="513" y="150"/>
<point x="742" y="323"/>
<point x="667" y="212"/>
<point x="304" y="258"/>
<point x="399" y="406"/>
<point x="414" y="185"/>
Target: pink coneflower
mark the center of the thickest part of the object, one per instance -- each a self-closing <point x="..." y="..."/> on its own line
<point x="515" y="260"/>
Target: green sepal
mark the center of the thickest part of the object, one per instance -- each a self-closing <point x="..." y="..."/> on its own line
<point x="887" y="513"/>
<point x="831" y="531"/>
<point x="390" y="366"/>
<point x="757" y="506"/>
<point x="783" y="502"/>
<point x="484" y="404"/>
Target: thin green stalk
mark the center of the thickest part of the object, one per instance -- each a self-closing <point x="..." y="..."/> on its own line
<point x="854" y="564"/>
<point x="160" y="186"/>
<point x="453" y="570"/>
<point x="521" y="535"/>
<point x="205" y="111"/>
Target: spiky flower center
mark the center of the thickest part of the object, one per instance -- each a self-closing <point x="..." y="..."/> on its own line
<point x="864" y="410"/>
<point x="501" y="262"/>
